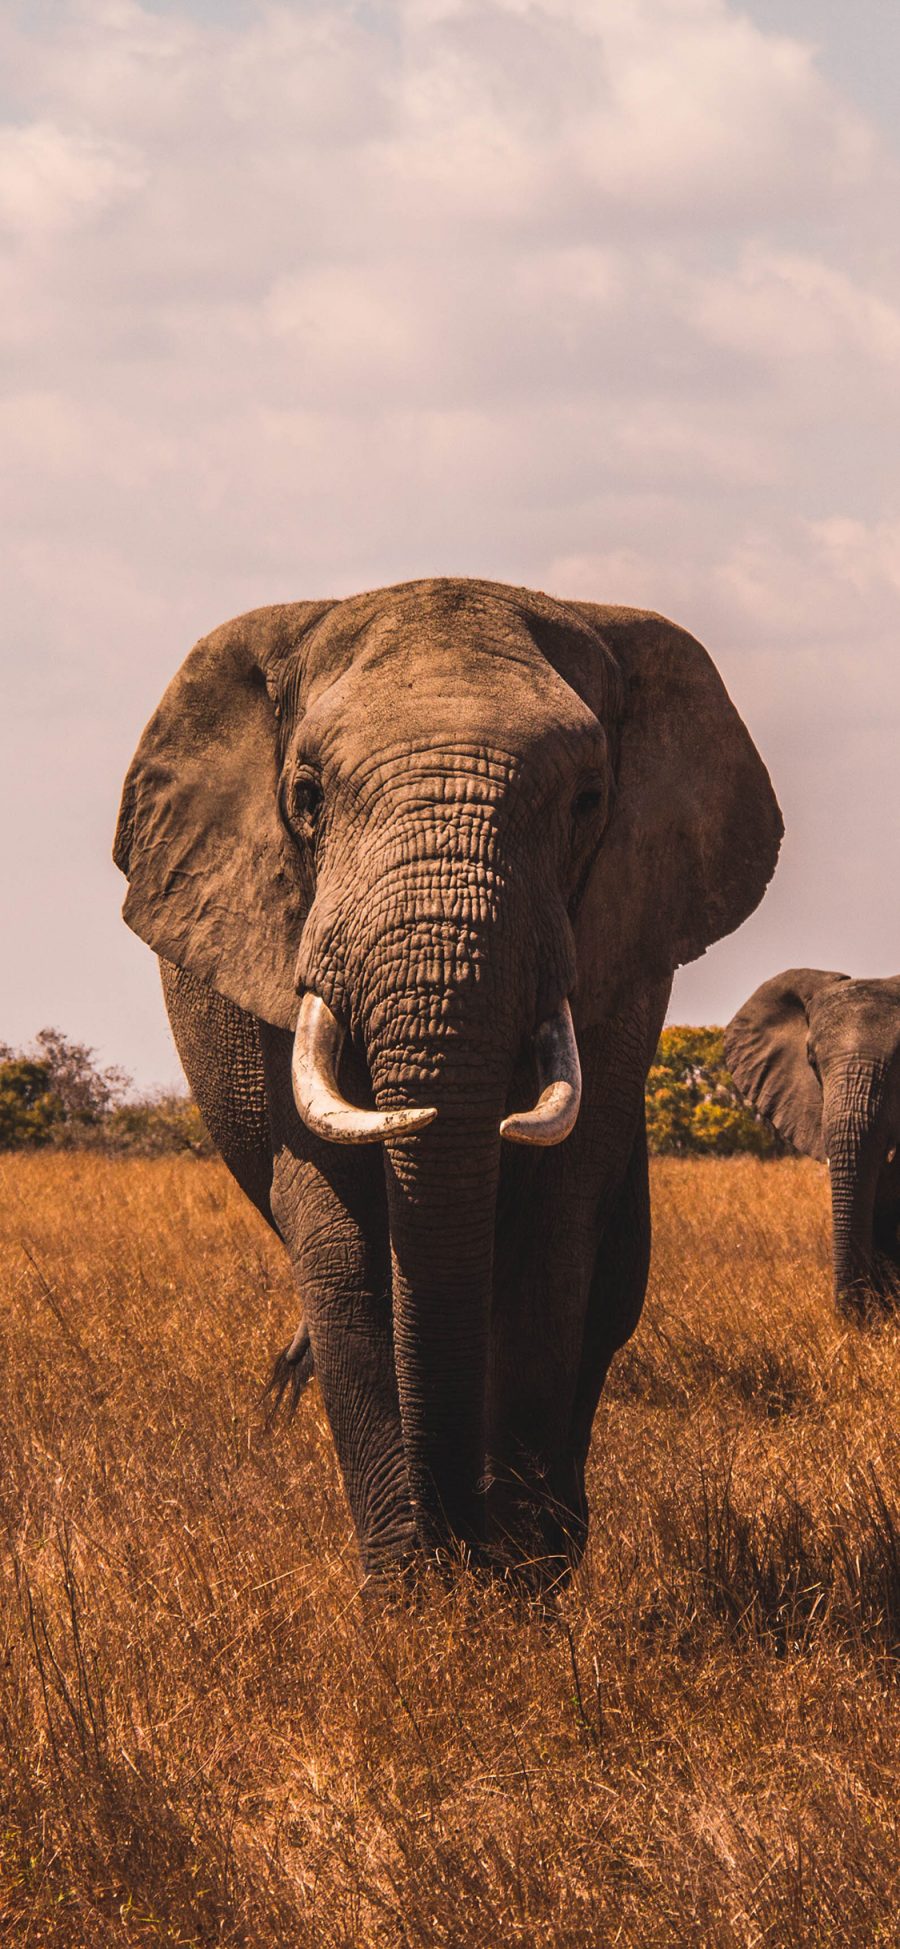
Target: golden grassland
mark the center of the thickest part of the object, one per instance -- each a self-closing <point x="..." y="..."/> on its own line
<point x="207" y="1737"/>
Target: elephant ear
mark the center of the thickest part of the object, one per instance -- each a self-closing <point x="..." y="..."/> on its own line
<point x="695" y="829"/>
<point x="215" y="884"/>
<point x="766" y="1051"/>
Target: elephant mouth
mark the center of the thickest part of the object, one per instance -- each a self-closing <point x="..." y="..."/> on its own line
<point x="319" y="1039"/>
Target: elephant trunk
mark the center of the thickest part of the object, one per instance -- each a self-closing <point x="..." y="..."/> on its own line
<point x="441" y="1192"/>
<point x="444" y="1028"/>
<point x="853" y="1101"/>
<point x="447" y="1027"/>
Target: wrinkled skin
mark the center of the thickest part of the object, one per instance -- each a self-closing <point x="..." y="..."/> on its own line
<point x="445" y="808"/>
<point x="819" y="1055"/>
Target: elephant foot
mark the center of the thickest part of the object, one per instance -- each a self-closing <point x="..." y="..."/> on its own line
<point x="415" y="1581"/>
<point x="889" y="1283"/>
<point x="869" y="1301"/>
<point x="537" y="1539"/>
<point x="392" y="1588"/>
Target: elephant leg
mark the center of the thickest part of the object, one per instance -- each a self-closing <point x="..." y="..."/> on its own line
<point x="543" y="1422"/>
<point x="616" y="1296"/>
<point x="572" y="1262"/>
<point x="886" y="1241"/>
<point x="546" y="1247"/>
<point x="542" y="1273"/>
<point x="341" y="1262"/>
<point x="329" y="1204"/>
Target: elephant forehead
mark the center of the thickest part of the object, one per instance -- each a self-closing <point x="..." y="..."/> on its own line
<point x="440" y="700"/>
<point x="458" y="635"/>
<point x="861" y="1017"/>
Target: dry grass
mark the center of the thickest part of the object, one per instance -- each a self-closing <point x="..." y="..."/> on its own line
<point x="205" y="1737"/>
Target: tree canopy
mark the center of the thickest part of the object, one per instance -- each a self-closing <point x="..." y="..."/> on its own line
<point x="57" y="1093"/>
<point x="694" y="1107"/>
<point x="28" y="1108"/>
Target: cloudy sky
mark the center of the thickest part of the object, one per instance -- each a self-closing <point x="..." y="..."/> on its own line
<point x="601" y="296"/>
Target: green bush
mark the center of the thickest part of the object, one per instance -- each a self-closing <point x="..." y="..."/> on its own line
<point x="152" y="1125"/>
<point x="28" y="1108"/>
<point x="694" y="1109"/>
<point x="57" y="1094"/>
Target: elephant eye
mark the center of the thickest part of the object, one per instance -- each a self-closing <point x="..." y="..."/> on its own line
<point x="590" y="802"/>
<point x="305" y="805"/>
<point x="811" y="1059"/>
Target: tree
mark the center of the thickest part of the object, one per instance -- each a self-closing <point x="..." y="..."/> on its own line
<point x="28" y="1108"/>
<point x="55" y="1092"/>
<point x="694" y="1107"/>
<point x="85" y="1093"/>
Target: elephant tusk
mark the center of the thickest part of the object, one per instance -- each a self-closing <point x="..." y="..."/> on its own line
<point x="318" y="1040"/>
<point x="559" y="1071"/>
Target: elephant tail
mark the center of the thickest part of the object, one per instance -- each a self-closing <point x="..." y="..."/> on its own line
<point x="291" y="1374"/>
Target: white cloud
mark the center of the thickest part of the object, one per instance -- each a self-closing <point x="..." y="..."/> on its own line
<point x="828" y="585"/>
<point x="797" y="310"/>
<point x="52" y="180"/>
<point x="864" y="557"/>
<point x="321" y="296"/>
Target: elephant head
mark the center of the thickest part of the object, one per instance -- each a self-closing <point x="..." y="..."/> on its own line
<point x="819" y="1055"/>
<point x="420" y="829"/>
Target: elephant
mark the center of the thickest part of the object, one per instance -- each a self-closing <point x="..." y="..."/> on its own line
<point x="418" y="866"/>
<point x="818" y="1053"/>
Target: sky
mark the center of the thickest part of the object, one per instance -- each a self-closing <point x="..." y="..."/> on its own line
<point x="598" y="296"/>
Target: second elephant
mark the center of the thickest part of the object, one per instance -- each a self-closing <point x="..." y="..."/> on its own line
<point x="819" y="1055"/>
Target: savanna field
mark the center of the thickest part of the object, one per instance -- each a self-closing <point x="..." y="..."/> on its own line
<point x="208" y="1737"/>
